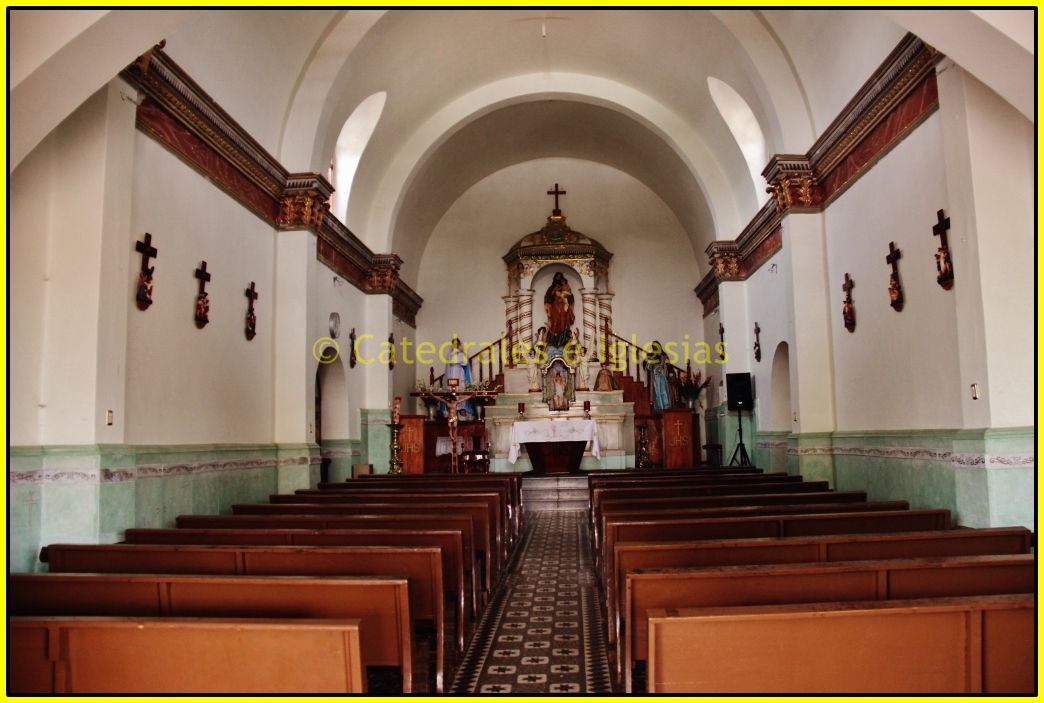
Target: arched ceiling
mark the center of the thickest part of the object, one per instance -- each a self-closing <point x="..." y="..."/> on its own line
<point x="629" y="89"/>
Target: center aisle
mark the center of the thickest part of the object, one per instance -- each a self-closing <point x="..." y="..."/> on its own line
<point x="542" y="632"/>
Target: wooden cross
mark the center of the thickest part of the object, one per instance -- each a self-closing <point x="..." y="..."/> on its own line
<point x="30" y="501"/>
<point x="204" y="278"/>
<point x="757" y="342"/>
<point x="895" y="289"/>
<point x="148" y="251"/>
<point x="251" y="319"/>
<point x="556" y="192"/>
<point x="721" y="335"/>
<point x="848" y="309"/>
<point x="942" y="257"/>
<point x="939" y="230"/>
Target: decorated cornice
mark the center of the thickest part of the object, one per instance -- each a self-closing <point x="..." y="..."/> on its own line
<point x="178" y="113"/>
<point x="896" y="98"/>
<point x="557" y="242"/>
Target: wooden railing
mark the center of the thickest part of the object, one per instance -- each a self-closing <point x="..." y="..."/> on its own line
<point x="495" y="351"/>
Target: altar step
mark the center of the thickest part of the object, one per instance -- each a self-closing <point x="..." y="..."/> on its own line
<point x="550" y="493"/>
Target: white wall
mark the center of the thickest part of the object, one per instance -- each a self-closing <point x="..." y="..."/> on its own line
<point x="897" y="370"/>
<point x="770" y="303"/>
<point x="30" y="202"/>
<point x="334" y="294"/>
<point x="653" y="271"/>
<point x="186" y="385"/>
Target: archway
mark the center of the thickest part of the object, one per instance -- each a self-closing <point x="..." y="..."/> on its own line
<point x="781" y="389"/>
<point x="331" y="416"/>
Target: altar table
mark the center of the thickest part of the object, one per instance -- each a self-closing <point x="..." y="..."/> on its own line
<point x="570" y="438"/>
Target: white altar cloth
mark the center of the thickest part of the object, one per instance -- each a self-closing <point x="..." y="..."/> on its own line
<point x="553" y="431"/>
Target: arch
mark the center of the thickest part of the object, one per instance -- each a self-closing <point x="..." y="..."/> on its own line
<point x="376" y="226"/>
<point x="781" y="389"/>
<point x="351" y="142"/>
<point x="745" y="129"/>
<point x="333" y="389"/>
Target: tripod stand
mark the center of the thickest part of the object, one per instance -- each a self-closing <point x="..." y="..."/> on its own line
<point x="739" y="455"/>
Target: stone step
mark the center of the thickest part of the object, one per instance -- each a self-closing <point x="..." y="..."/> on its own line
<point x="540" y="506"/>
<point x="551" y="493"/>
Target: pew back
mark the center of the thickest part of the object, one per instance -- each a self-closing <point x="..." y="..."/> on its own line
<point x="183" y="655"/>
<point x="976" y="644"/>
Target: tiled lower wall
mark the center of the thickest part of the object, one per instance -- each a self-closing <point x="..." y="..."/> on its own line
<point x="91" y="494"/>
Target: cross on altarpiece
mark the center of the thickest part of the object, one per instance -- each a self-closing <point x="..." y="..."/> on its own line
<point x="143" y="295"/>
<point x="556" y="192"/>
<point x="895" y="289"/>
<point x="251" y="318"/>
<point x="202" y="303"/>
<point x="942" y="257"/>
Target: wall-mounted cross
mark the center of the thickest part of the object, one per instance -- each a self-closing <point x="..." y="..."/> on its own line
<point x="757" y="342"/>
<point x="895" y="289"/>
<point x="202" y="303"/>
<point x="556" y="192"/>
<point x="143" y="295"/>
<point x="943" y="265"/>
<point x="721" y="335"/>
<point x="251" y="318"/>
<point x="30" y="501"/>
<point x="848" y="308"/>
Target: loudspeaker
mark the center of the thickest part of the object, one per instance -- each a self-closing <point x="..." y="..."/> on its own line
<point x="738" y="388"/>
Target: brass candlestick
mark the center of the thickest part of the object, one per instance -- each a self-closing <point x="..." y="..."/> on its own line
<point x="395" y="464"/>
<point x="643" y="448"/>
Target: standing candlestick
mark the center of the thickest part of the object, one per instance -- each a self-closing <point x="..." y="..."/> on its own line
<point x="395" y="462"/>
<point x="521" y="411"/>
<point x="587" y="409"/>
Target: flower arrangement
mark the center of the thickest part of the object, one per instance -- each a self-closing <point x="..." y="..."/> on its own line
<point x="421" y="386"/>
<point x="476" y="386"/>
<point x="689" y="385"/>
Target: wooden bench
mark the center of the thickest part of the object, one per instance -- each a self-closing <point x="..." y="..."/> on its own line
<point x="897" y="579"/>
<point x="631" y="516"/>
<point x="380" y="605"/>
<point x="496" y="512"/>
<point x="488" y="544"/>
<point x="448" y="541"/>
<point x="729" y="501"/>
<point x="460" y="523"/>
<point x="826" y="548"/>
<point x="511" y="490"/>
<point x="974" y="644"/>
<point x="512" y="481"/>
<point x="701" y="469"/>
<point x="421" y="565"/>
<point x="48" y="655"/>
<point x="654" y="531"/>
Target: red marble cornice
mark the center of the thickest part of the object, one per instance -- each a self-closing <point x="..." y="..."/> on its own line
<point x="175" y="111"/>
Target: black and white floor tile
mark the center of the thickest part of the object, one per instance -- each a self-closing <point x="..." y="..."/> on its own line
<point x="542" y="631"/>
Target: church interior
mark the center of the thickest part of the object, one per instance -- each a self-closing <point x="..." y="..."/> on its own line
<point x="521" y="351"/>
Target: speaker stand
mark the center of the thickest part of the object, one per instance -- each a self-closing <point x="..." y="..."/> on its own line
<point x="739" y="455"/>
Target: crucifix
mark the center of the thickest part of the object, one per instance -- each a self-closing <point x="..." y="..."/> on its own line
<point x="757" y="342"/>
<point x="30" y="501"/>
<point x="143" y="296"/>
<point x="721" y="335"/>
<point x="352" y="357"/>
<point x="895" y="289"/>
<point x="848" y="309"/>
<point x="251" y="318"/>
<point x="943" y="265"/>
<point x="391" y="346"/>
<point x="453" y="398"/>
<point x="556" y="192"/>
<point x="202" y="302"/>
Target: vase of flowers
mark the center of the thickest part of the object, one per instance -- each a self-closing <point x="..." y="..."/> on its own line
<point x="431" y="405"/>
<point x="478" y="403"/>
<point x="690" y="385"/>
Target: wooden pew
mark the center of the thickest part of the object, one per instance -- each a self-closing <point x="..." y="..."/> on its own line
<point x="485" y="530"/>
<point x="421" y="565"/>
<point x="897" y="579"/>
<point x="604" y="556"/>
<point x="448" y="541"/>
<point x="974" y="644"/>
<point x="496" y="512"/>
<point x="742" y="511"/>
<point x="423" y="521"/>
<point x="825" y="548"/>
<point x="654" y="531"/>
<point x="380" y="605"/>
<point x="49" y="655"/>
<point x="510" y="489"/>
<point x="701" y="469"/>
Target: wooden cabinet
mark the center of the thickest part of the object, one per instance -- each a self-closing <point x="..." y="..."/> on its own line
<point x="411" y="438"/>
<point x="681" y="438"/>
<point x="473" y="433"/>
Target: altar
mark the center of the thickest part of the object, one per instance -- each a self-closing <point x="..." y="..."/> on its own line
<point x="554" y="446"/>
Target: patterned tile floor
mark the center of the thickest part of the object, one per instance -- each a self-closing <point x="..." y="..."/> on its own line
<point x="542" y="631"/>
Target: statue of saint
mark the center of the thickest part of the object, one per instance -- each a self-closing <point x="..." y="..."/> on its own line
<point x="605" y="380"/>
<point x="558" y="304"/>
<point x="583" y="371"/>
<point x="533" y="370"/>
